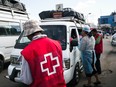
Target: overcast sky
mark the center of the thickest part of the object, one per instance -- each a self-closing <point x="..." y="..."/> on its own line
<point x="97" y="8"/>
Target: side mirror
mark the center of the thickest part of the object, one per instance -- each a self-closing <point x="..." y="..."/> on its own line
<point x="74" y="42"/>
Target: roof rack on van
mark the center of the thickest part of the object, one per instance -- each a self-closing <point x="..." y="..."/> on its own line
<point x="66" y="13"/>
<point x="9" y="9"/>
<point x="12" y="12"/>
<point x="72" y="19"/>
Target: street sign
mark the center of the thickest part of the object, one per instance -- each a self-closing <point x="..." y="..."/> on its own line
<point x="59" y="7"/>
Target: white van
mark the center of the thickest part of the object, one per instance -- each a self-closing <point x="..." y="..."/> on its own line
<point x="10" y="27"/>
<point x="56" y="29"/>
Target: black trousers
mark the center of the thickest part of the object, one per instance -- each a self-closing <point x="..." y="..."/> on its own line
<point x="98" y="64"/>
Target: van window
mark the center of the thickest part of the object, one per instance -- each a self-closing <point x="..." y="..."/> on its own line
<point x="56" y="32"/>
<point x="7" y="28"/>
<point x="79" y="30"/>
<point x="73" y="34"/>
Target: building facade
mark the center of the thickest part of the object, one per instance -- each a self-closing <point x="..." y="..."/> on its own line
<point x="108" y="23"/>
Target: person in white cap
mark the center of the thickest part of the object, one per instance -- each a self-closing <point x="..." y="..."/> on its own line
<point x="41" y="59"/>
<point x="87" y="45"/>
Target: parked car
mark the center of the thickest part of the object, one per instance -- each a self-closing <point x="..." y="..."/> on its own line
<point x="113" y="40"/>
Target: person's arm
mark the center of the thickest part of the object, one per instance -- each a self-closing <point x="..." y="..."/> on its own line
<point x="25" y="76"/>
<point x="98" y="40"/>
<point x="82" y="44"/>
<point x="25" y="72"/>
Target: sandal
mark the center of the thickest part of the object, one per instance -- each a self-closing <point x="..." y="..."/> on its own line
<point x="98" y="82"/>
<point x="87" y="85"/>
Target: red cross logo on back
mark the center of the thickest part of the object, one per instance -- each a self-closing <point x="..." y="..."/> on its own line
<point x="51" y="59"/>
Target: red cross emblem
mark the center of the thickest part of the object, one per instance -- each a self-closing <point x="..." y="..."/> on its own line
<point x="50" y="56"/>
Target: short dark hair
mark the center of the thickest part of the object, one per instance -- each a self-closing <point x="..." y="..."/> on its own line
<point x="36" y="32"/>
<point x="94" y="30"/>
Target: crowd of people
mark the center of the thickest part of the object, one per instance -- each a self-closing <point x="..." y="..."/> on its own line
<point x="41" y="47"/>
<point x="91" y="48"/>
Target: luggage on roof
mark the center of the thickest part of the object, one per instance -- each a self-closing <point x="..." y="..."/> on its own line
<point x="13" y="4"/>
<point x="66" y="12"/>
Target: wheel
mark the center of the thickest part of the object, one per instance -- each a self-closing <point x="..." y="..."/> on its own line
<point x="81" y="66"/>
<point x="1" y="65"/>
<point x="76" y="76"/>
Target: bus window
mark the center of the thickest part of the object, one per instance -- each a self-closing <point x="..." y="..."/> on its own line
<point x="9" y="28"/>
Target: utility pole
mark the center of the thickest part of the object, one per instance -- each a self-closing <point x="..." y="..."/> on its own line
<point x="87" y="17"/>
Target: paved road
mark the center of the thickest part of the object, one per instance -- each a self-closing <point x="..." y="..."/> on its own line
<point x="7" y="83"/>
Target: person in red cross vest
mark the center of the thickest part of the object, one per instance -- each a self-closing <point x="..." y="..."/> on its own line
<point x="98" y="48"/>
<point x="42" y="64"/>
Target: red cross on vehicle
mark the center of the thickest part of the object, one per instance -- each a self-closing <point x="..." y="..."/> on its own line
<point x="49" y="57"/>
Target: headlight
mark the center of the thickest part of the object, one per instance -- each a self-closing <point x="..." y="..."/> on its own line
<point x="67" y="63"/>
<point x="14" y="59"/>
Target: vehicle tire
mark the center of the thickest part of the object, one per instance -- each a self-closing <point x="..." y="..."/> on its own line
<point x="1" y="65"/>
<point x="76" y="76"/>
